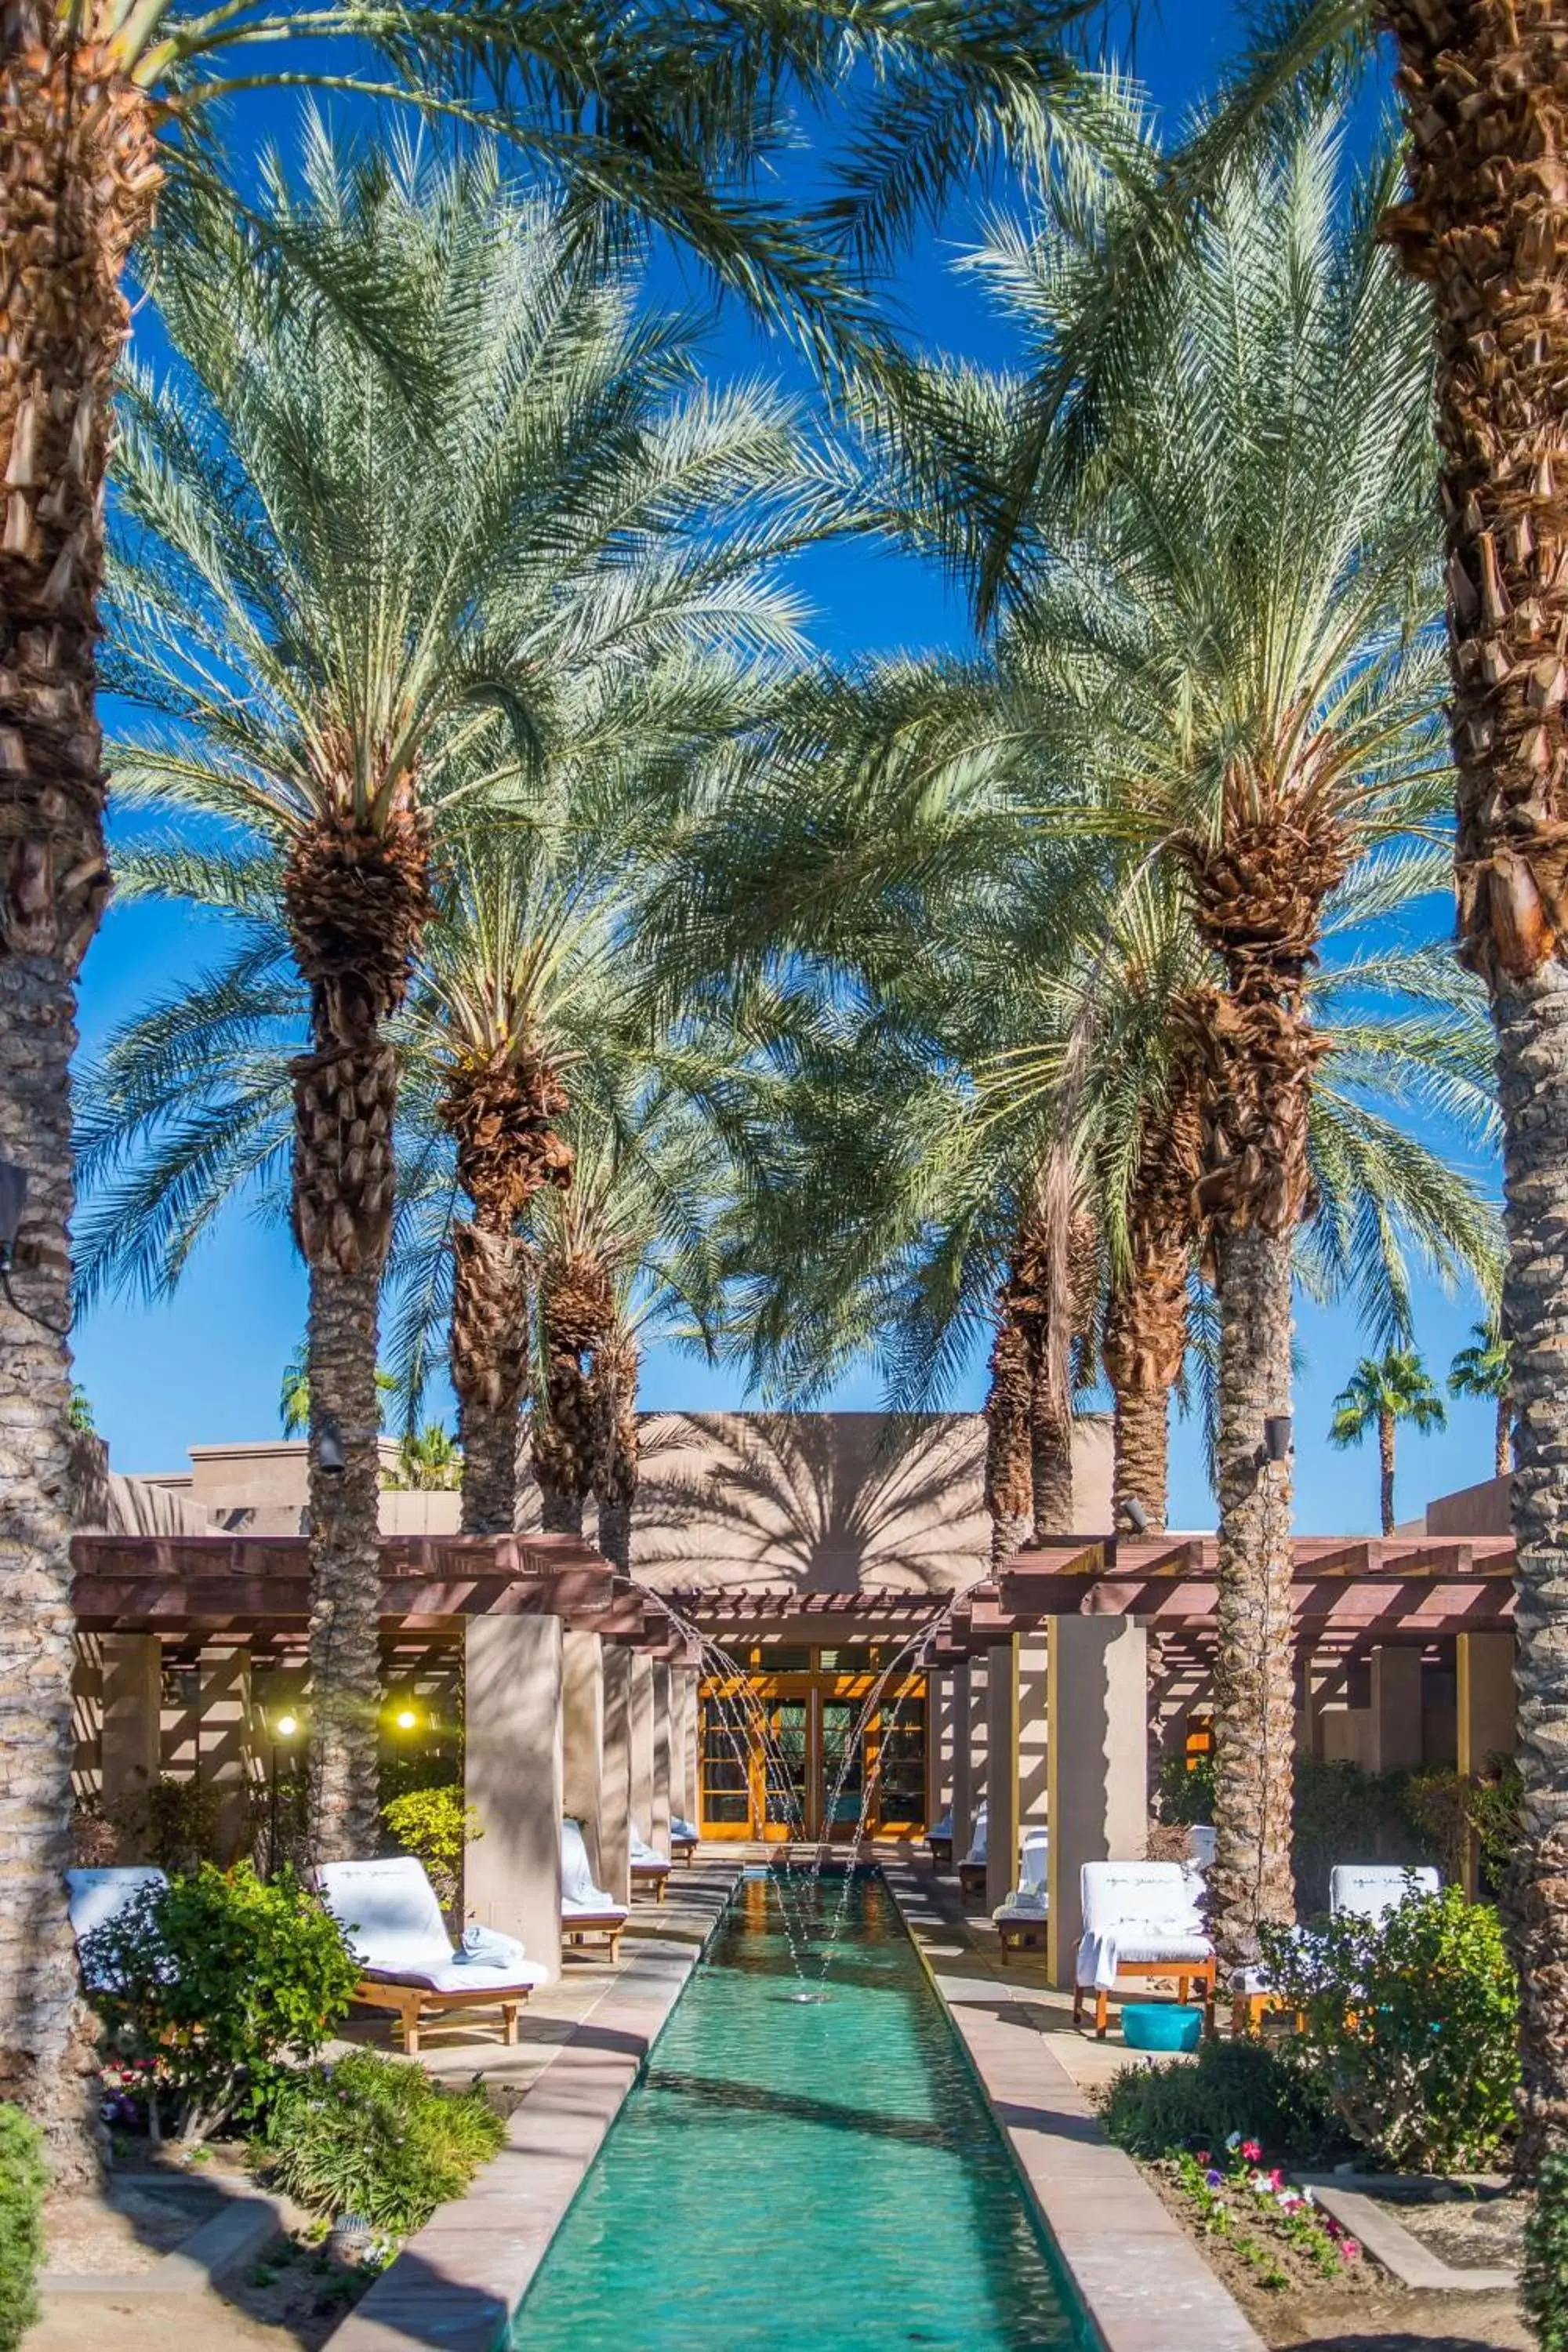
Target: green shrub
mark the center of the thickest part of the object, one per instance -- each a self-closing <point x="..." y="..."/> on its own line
<point x="1231" y="2086"/>
<point x="1185" y="1791"/>
<point x="376" y="2137"/>
<point x="23" y="2180"/>
<point x="1543" y="2276"/>
<point x="1409" y="2027"/>
<point x="435" y="1825"/>
<point x="219" y="1980"/>
<point x="173" y="1824"/>
<point x="1449" y="1808"/>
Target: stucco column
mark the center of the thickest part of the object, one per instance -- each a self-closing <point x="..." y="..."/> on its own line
<point x="939" y="1745"/>
<point x="1033" y="1759"/>
<point x="963" y="1798"/>
<point x="224" y="1737"/>
<point x="641" y="1784"/>
<point x="582" y="1737"/>
<point x="1097" y="1764"/>
<point x="658" y="1803"/>
<point x="1395" y="1745"/>
<point x="1487" y="1726"/>
<point x="133" y="1698"/>
<point x="512" y="1776"/>
<point x="1000" y="1771"/>
<point x="616" y="1776"/>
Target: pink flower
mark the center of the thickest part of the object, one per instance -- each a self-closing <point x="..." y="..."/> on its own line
<point x="1277" y="2177"/>
<point x="1350" y="2249"/>
<point x="1252" y="2150"/>
<point x="1202" y="2157"/>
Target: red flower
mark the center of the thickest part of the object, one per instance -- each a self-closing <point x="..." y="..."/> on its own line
<point x="1202" y="2157"/>
<point x="1252" y="2150"/>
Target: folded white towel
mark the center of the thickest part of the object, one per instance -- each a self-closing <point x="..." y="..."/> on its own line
<point x="487" y="1947"/>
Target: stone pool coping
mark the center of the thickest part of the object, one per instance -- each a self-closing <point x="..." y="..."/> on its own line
<point x="458" y="2281"/>
<point x="1143" y="2283"/>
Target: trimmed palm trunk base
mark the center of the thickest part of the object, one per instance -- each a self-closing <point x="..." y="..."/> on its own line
<point x="1009" y="1451"/>
<point x="45" y="2044"/>
<point x="1050" y="1463"/>
<point x="1532" y="1069"/>
<point x="1251" y="1882"/>
<point x="345" y="1614"/>
<point x="489" y="1371"/>
<point x="560" y="1509"/>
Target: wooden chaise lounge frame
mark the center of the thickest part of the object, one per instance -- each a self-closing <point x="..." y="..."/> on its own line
<point x="576" y="1928"/>
<point x="1187" y="1973"/>
<point x="411" y="2003"/>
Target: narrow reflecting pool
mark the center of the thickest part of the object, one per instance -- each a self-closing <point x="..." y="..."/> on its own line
<point x="820" y="2175"/>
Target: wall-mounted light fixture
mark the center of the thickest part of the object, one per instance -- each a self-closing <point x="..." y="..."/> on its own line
<point x="1136" y="1516"/>
<point x="329" y="1447"/>
<point x="12" y="1200"/>
<point x="1277" y="1429"/>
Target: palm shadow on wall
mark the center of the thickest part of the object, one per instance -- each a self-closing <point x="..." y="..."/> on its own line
<point x="825" y="1502"/>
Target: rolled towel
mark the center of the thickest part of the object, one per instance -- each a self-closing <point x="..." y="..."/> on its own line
<point x="680" y="1829"/>
<point x="487" y="1947"/>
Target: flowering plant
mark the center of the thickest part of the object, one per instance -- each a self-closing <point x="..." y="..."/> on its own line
<point x="1234" y="2194"/>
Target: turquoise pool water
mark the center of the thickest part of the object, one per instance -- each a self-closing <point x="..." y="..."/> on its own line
<point x="820" y="2176"/>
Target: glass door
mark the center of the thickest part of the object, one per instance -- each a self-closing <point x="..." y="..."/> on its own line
<point x="843" y="1760"/>
<point x="784" y="1776"/>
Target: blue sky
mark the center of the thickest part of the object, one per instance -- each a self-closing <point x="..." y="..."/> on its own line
<point x="205" y="1367"/>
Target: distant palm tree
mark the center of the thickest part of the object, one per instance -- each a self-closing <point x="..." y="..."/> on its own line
<point x="1382" y="1393"/>
<point x="1485" y="1369"/>
<point x="430" y="1463"/>
<point x="294" y="1393"/>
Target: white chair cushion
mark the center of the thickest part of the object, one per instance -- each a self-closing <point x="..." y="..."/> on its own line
<point x="1371" y="1890"/>
<point x="578" y="1892"/>
<point x="1164" y="1948"/>
<point x="977" y="1853"/>
<point x="1022" y="1903"/>
<point x="388" y="1913"/>
<point x="97" y="1897"/>
<point x="1200" y="1844"/>
<point x="942" y="1829"/>
<point x="1156" y="1897"/>
<point x="682" y="1830"/>
<point x="600" y="1909"/>
<point x="462" y="1976"/>
<point x="1035" y="1861"/>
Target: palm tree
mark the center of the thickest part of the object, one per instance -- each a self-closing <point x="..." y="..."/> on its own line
<point x="294" y="1393"/>
<point x="1485" y="1369"/>
<point x="659" y="121"/>
<point x="429" y="1462"/>
<point x="1381" y="1392"/>
<point x="413" y="636"/>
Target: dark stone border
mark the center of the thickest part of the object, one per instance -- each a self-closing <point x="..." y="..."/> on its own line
<point x="458" y="2280"/>
<point x="1137" y="2274"/>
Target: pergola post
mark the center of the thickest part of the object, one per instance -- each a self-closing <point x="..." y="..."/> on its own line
<point x="513" y="1777"/>
<point x="1034" y="1762"/>
<point x="582" y="1737"/>
<point x="641" y="1784"/>
<point x="658" y="1801"/>
<point x="132" y="1702"/>
<point x="939" y="1744"/>
<point x="691" y="1753"/>
<point x="1396" y="1744"/>
<point x="1487" y="1722"/>
<point x="1001" y="1770"/>
<point x="965" y="1795"/>
<point x="616" y="1776"/>
<point x="224" y="1743"/>
<point x="1096" y="1765"/>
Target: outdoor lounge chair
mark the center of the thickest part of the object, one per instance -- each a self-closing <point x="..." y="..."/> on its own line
<point x="97" y="1897"/>
<point x="1361" y="1890"/>
<point x="1371" y="1890"/>
<point x="972" y="1869"/>
<point x="683" y="1839"/>
<point x="648" y="1867"/>
<point x="1021" y="1920"/>
<point x="1141" y="1919"/>
<point x="939" y="1840"/>
<point x="586" y="1909"/>
<point x="393" y="1926"/>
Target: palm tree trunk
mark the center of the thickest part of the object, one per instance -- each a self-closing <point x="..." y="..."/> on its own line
<point x="1009" y="1465"/>
<point x="1050" y="1461"/>
<point x="1502" y="1459"/>
<point x="43" y="2061"/>
<point x="576" y="1310"/>
<point x="616" y="1462"/>
<point x="1483" y="92"/>
<point x="1386" y="1466"/>
<point x="560" y="1507"/>
<point x="1254" y="1695"/>
<point x="489" y="1371"/>
<point x="356" y="902"/>
<point x="1140" y="1434"/>
<point x="500" y="1108"/>
<point x="345" y="1566"/>
<point x="1146" y="1316"/>
<point x="76" y="187"/>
